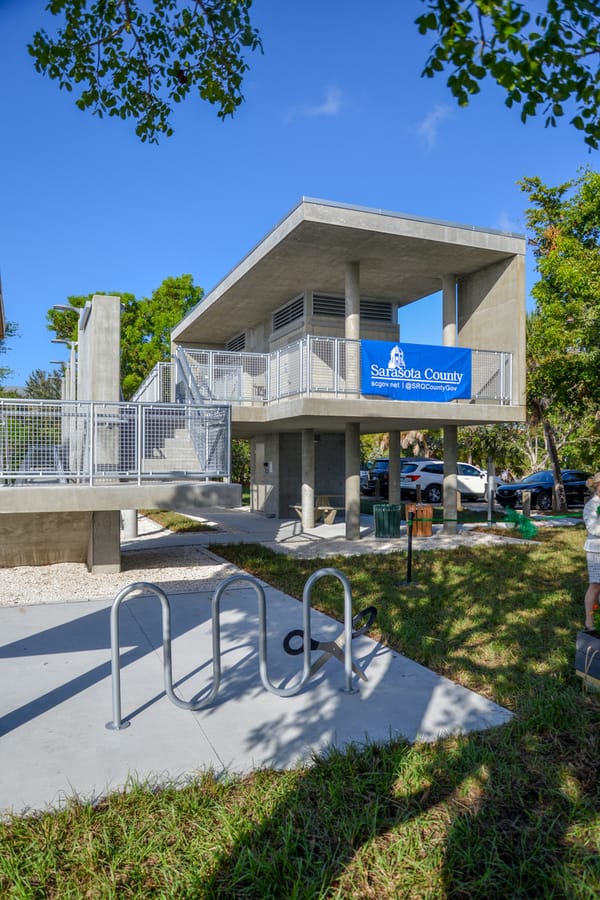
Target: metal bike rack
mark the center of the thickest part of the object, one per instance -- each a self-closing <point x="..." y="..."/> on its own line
<point x="118" y="723"/>
<point x="347" y="634"/>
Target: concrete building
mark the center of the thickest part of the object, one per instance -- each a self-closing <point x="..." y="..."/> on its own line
<point x="283" y="338"/>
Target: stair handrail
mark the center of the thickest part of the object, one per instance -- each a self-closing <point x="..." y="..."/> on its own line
<point x="187" y="379"/>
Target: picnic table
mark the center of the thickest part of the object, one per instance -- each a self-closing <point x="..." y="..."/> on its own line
<point x="325" y="510"/>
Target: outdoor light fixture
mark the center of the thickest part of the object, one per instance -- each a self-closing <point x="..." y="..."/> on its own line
<point x="85" y="314"/>
<point x="63" y="341"/>
<point x="65" y="308"/>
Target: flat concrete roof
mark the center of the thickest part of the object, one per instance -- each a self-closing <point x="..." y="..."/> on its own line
<point x="402" y="258"/>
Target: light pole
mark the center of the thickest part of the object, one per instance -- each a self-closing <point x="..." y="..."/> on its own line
<point x="70" y="369"/>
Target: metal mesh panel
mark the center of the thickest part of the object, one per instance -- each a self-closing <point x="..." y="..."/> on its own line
<point x="288" y="364"/>
<point x="256" y="376"/>
<point x="158" y="386"/>
<point x="228" y="376"/>
<point x="323" y="364"/>
<point x="334" y="365"/>
<point x="75" y="442"/>
<point x="43" y="441"/>
<point x="491" y="376"/>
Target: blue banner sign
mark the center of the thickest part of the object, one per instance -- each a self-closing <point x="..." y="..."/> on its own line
<point x="415" y="371"/>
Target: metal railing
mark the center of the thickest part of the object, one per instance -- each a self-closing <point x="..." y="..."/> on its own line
<point x="76" y="442"/>
<point x="157" y="386"/>
<point x="313" y="367"/>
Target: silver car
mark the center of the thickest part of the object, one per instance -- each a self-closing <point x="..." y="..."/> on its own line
<point x="429" y="476"/>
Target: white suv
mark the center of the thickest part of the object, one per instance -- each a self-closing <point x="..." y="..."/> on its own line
<point x="428" y="474"/>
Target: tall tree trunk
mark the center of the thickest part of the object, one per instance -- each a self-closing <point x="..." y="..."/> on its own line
<point x="559" y="498"/>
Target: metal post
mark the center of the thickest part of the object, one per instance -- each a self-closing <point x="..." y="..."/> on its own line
<point x="92" y="441"/>
<point x="411" y="517"/>
<point x="321" y="573"/>
<point x="140" y="440"/>
<point x="491" y="490"/>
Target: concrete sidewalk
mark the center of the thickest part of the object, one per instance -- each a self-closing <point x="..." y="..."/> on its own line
<point x="57" y="697"/>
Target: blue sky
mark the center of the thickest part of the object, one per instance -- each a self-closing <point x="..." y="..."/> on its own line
<point x="335" y="109"/>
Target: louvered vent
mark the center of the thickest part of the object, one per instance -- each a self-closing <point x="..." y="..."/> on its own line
<point x="379" y="310"/>
<point x="327" y="305"/>
<point x="288" y="313"/>
<point x="237" y="344"/>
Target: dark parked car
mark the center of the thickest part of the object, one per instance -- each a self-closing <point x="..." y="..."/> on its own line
<point x="540" y="484"/>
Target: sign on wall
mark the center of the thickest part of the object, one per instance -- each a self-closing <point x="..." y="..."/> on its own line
<point x="417" y="372"/>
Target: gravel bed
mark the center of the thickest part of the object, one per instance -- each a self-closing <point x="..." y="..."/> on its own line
<point x="175" y="569"/>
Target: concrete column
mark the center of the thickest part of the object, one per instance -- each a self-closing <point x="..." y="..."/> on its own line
<point x="449" y="313"/>
<point x="104" y="549"/>
<point x="308" y="478"/>
<point x="352" y="481"/>
<point x="449" y="335"/>
<point x="450" y="481"/>
<point x="394" y="469"/>
<point x="352" y="332"/>
<point x="130" y="523"/>
<point x="352" y="295"/>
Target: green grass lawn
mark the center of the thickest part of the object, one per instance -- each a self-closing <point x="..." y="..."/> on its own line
<point x="175" y="522"/>
<point x="508" y="813"/>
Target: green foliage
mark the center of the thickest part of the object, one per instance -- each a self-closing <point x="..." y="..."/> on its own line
<point x="372" y="446"/>
<point x="43" y="385"/>
<point x="135" y="59"/>
<point x="563" y="334"/>
<point x="176" y="522"/>
<point x="240" y="461"/>
<point x="542" y="61"/>
<point x="146" y="326"/>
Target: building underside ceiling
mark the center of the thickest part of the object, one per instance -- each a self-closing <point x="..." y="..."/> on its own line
<point x="401" y="259"/>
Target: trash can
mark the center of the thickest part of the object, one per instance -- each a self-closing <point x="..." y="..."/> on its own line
<point x="387" y="520"/>
<point x="423" y="518"/>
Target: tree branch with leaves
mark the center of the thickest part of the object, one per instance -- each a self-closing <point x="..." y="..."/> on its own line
<point x="541" y="61"/>
<point x="133" y="62"/>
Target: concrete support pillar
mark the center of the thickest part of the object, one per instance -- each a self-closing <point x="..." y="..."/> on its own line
<point x="352" y="332"/>
<point x="352" y="481"/>
<point x="394" y="468"/>
<point x="450" y="480"/>
<point x="130" y="523"/>
<point x="104" y="549"/>
<point x="352" y="295"/>
<point x="449" y="311"/>
<point x="308" y="478"/>
<point x="449" y="338"/>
